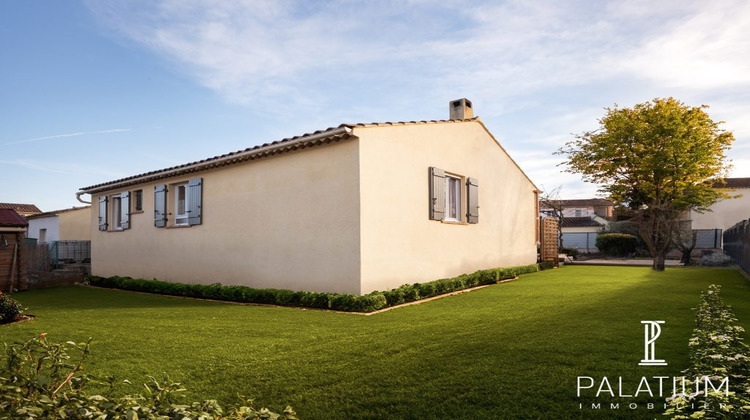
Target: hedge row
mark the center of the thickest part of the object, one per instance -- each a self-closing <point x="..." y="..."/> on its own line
<point x="335" y="301"/>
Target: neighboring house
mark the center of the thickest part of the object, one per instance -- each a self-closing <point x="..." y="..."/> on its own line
<point x="13" y="274"/>
<point x="351" y="209"/>
<point x="24" y="210"/>
<point x="723" y="214"/>
<point x="582" y="221"/>
<point x="588" y="207"/>
<point x="73" y="224"/>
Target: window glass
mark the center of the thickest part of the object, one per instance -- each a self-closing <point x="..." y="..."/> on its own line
<point x="181" y="204"/>
<point x="453" y="198"/>
<point x="116" y="212"/>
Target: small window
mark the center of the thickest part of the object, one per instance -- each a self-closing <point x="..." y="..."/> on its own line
<point x="42" y="236"/>
<point x="452" y="198"/>
<point x="180" y="200"/>
<point x="117" y="212"/>
<point x="138" y="200"/>
<point x="579" y="213"/>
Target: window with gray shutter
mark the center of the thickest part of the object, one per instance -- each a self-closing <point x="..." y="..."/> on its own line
<point x="437" y="194"/>
<point x="160" y="206"/>
<point x="195" y="201"/>
<point x="125" y="210"/>
<point x="472" y="200"/>
<point x="103" y="213"/>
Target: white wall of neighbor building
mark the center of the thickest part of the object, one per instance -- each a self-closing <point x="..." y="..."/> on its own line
<point x="725" y="213"/>
<point x="400" y="244"/>
<point x="50" y="223"/>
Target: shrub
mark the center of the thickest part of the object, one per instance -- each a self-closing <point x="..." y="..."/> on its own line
<point x="715" y="259"/>
<point x="717" y="351"/>
<point x="10" y="309"/>
<point x="335" y="301"/>
<point x="571" y="252"/>
<point x="616" y="244"/>
<point x="38" y="380"/>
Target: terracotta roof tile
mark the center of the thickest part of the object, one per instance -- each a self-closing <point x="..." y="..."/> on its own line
<point x="21" y="208"/>
<point x="733" y="183"/>
<point x="579" y="222"/>
<point x="329" y="135"/>
<point x="10" y="218"/>
<point x="584" y="202"/>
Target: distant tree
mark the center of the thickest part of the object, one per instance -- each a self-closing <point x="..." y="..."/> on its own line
<point x="656" y="158"/>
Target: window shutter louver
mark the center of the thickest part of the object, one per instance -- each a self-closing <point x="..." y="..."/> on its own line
<point x="103" y="213"/>
<point x="472" y="200"/>
<point x="160" y="206"/>
<point x="437" y="194"/>
<point x="195" y="201"/>
<point x="125" y="210"/>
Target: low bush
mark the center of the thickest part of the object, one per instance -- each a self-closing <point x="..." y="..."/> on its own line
<point x="39" y="380"/>
<point x="335" y="301"/>
<point x="10" y="309"/>
<point x="715" y="259"/>
<point x="717" y="351"/>
<point x="616" y="244"/>
<point x="571" y="252"/>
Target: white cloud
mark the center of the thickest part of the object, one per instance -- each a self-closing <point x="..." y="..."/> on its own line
<point x="59" y="136"/>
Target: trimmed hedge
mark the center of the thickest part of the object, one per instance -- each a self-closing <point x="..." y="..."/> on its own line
<point x="322" y="300"/>
<point x="616" y="244"/>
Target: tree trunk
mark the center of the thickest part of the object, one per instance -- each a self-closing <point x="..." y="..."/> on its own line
<point x="658" y="264"/>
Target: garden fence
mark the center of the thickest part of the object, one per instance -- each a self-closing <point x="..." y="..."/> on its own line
<point x="737" y="244"/>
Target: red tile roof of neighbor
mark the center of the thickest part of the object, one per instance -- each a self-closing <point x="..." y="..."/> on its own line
<point x="585" y="202"/>
<point x="21" y="208"/>
<point x="733" y="183"/>
<point x="10" y="218"/>
<point x="579" y="222"/>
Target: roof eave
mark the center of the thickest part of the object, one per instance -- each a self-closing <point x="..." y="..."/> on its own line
<point x="329" y="136"/>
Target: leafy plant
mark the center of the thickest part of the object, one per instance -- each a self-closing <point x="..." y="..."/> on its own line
<point x="717" y="351"/>
<point x="39" y="379"/>
<point x="10" y="309"/>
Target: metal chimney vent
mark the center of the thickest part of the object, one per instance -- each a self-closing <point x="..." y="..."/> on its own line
<point x="461" y="109"/>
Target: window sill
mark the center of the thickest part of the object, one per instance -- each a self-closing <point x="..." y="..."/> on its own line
<point x="136" y="212"/>
<point x="453" y="222"/>
<point x="179" y="226"/>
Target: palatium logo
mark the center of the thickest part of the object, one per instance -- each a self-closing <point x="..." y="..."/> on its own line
<point x="653" y="331"/>
<point x="617" y="392"/>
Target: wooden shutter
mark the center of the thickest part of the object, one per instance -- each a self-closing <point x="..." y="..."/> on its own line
<point x="437" y="194"/>
<point x="125" y="210"/>
<point x="195" y="201"/>
<point x="103" y="213"/>
<point x="472" y="200"/>
<point x="160" y="206"/>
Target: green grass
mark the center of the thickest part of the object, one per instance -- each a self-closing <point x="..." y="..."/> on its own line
<point x="508" y="351"/>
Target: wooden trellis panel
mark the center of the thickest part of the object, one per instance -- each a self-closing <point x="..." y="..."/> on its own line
<point x="548" y="251"/>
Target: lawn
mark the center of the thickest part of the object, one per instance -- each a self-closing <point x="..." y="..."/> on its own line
<point x="508" y="351"/>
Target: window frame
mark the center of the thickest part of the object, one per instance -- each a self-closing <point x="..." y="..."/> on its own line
<point x="453" y="202"/>
<point x="181" y="218"/>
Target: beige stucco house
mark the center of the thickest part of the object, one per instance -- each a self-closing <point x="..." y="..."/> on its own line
<point x="355" y="208"/>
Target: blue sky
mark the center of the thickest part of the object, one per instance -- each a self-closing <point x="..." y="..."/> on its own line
<point x="93" y="91"/>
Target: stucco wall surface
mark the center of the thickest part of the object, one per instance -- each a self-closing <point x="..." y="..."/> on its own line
<point x="400" y="244"/>
<point x="75" y="225"/>
<point x="290" y="221"/>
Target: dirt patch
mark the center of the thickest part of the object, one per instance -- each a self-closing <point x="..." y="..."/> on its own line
<point x="20" y="318"/>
